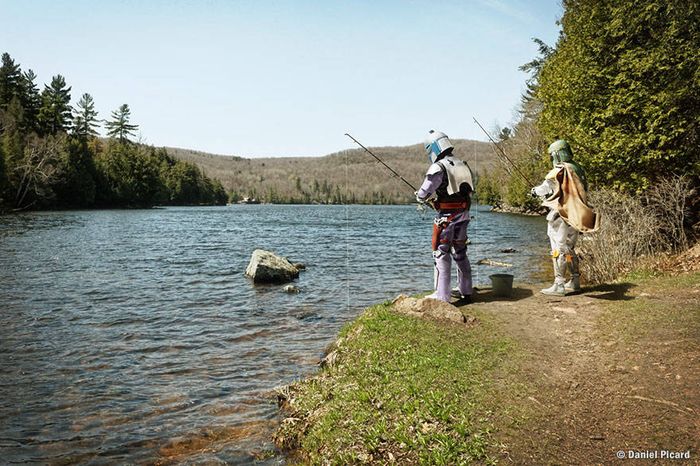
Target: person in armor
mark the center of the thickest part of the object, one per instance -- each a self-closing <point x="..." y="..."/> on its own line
<point x="563" y="232"/>
<point x="450" y="180"/>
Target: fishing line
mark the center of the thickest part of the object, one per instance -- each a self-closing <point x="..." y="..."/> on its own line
<point x="347" y="228"/>
<point x="476" y="202"/>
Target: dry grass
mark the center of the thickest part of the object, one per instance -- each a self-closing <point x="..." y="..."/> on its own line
<point x="635" y="231"/>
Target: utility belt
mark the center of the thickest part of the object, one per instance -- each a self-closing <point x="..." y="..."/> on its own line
<point x="452" y="206"/>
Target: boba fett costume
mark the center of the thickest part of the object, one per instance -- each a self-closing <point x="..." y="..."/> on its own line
<point x="562" y="232"/>
<point x="451" y="181"/>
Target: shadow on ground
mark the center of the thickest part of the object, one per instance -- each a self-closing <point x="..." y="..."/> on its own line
<point x="485" y="295"/>
<point x="610" y="292"/>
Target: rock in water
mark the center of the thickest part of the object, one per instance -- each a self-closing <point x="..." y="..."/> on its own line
<point x="428" y="308"/>
<point x="267" y="267"/>
<point x="291" y="289"/>
<point x="493" y="263"/>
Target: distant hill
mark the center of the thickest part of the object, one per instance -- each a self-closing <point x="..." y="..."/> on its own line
<point x="350" y="175"/>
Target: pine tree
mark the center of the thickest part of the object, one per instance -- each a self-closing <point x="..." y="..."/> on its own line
<point x="85" y="118"/>
<point x="55" y="113"/>
<point x="12" y="139"/>
<point x="120" y="127"/>
<point x="10" y="81"/>
<point x="31" y="100"/>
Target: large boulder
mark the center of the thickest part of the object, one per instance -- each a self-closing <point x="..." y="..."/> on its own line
<point x="267" y="267"/>
<point x="428" y="308"/>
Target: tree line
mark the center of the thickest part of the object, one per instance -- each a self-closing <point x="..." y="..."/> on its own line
<point x="347" y="177"/>
<point x="621" y="86"/>
<point x="51" y="155"/>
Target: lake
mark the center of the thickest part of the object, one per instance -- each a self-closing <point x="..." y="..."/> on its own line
<point x="133" y="335"/>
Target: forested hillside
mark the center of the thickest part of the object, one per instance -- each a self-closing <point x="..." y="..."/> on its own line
<point x="349" y="176"/>
<point x="51" y="155"/>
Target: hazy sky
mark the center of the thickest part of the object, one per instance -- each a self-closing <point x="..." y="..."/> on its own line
<point x="281" y="78"/>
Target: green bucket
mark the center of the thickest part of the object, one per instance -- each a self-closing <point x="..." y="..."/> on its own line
<point x="502" y="284"/>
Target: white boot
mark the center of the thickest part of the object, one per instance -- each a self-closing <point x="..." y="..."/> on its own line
<point x="573" y="285"/>
<point x="555" y="290"/>
<point x="559" y="263"/>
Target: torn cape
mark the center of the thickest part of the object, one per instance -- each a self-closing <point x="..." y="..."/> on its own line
<point x="569" y="200"/>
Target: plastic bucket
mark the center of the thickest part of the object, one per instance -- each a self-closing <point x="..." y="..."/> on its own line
<point x="502" y="284"/>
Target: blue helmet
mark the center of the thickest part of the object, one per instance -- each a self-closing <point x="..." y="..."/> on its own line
<point x="436" y="144"/>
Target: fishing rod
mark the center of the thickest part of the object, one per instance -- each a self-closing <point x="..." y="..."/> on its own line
<point x="380" y="161"/>
<point x="429" y="201"/>
<point x="527" y="180"/>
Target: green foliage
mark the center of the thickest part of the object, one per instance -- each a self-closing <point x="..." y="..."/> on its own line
<point x="119" y="127"/>
<point x="623" y="87"/>
<point x="77" y="186"/>
<point x="488" y="190"/>
<point x="128" y="175"/>
<point x="52" y="169"/>
<point x="185" y="183"/>
<point x="85" y="119"/>
<point x="55" y="114"/>
<point x="31" y="100"/>
<point x="12" y="141"/>
<point x="10" y="80"/>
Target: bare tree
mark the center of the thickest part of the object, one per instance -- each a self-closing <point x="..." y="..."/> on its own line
<point x="38" y="170"/>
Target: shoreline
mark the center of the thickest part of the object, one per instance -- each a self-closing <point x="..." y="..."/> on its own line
<point x="399" y="389"/>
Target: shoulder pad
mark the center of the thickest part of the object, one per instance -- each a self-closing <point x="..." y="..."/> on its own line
<point x="434" y="169"/>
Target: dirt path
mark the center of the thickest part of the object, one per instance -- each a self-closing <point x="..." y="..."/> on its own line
<point x="615" y="368"/>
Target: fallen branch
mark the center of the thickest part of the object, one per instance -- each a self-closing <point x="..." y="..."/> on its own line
<point x="663" y="402"/>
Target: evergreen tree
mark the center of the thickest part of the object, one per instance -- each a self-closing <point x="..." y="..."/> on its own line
<point x="10" y="81"/>
<point x="120" y="127"/>
<point x="85" y="118"/>
<point x="31" y="100"/>
<point x="128" y="175"/>
<point x="55" y="113"/>
<point x="12" y="140"/>
<point x="623" y="88"/>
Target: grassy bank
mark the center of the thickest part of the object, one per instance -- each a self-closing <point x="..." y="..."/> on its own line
<point x="537" y="380"/>
<point x="402" y="389"/>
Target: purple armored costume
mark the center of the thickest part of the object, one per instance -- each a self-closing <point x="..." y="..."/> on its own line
<point x="451" y="180"/>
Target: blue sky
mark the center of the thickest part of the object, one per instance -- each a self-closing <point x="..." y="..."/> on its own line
<point x="286" y="78"/>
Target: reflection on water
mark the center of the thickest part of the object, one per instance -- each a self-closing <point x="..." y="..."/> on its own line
<point x="133" y="335"/>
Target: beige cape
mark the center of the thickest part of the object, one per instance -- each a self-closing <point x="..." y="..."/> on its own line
<point x="569" y="200"/>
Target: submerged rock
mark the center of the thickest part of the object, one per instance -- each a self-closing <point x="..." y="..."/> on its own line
<point x="493" y="263"/>
<point x="267" y="267"/>
<point x="508" y="250"/>
<point x="428" y="308"/>
<point x="291" y="289"/>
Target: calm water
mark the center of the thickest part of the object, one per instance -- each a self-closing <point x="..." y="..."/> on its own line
<point x="134" y="335"/>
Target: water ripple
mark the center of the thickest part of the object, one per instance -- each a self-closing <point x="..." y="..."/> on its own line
<point x="133" y="336"/>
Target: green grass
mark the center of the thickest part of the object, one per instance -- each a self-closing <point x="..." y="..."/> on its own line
<point x="410" y="389"/>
